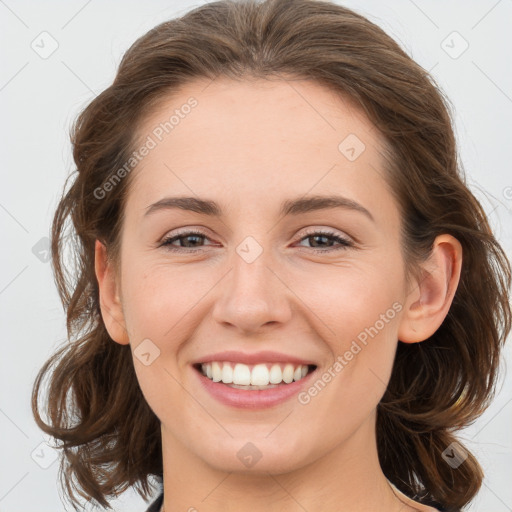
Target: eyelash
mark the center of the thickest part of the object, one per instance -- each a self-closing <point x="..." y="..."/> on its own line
<point x="344" y="243"/>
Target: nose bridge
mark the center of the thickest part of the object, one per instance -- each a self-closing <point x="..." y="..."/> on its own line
<point x="252" y="295"/>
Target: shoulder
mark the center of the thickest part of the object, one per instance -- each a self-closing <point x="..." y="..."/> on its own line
<point x="420" y="507"/>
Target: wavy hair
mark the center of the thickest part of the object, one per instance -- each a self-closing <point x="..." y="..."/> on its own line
<point x="109" y="436"/>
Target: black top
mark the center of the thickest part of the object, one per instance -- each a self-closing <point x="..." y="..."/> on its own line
<point x="155" y="506"/>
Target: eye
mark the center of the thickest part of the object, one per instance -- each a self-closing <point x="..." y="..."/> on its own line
<point x="194" y="235"/>
<point x="318" y="237"/>
<point x="344" y="243"/>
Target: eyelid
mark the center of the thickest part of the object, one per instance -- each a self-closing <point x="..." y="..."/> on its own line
<point x="202" y="230"/>
<point x="344" y="241"/>
<point x="187" y="230"/>
<point x="330" y="231"/>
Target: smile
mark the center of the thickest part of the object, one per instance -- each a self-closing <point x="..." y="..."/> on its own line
<point x="257" y="376"/>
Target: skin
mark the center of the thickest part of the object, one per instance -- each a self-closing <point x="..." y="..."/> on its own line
<point x="249" y="145"/>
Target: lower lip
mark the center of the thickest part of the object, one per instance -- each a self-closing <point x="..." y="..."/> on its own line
<point x="256" y="398"/>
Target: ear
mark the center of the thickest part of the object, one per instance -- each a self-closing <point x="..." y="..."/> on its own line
<point x="432" y="294"/>
<point x="110" y="304"/>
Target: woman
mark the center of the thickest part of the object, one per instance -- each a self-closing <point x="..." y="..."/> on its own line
<point x="257" y="369"/>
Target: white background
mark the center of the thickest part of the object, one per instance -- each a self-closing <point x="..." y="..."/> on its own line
<point x="39" y="99"/>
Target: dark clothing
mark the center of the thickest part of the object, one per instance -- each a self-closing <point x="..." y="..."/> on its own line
<point x="155" y="506"/>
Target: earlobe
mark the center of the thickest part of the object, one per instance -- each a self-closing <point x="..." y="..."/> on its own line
<point x="110" y="304"/>
<point x="428" y="303"/>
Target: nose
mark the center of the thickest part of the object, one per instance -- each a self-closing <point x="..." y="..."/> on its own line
<point x="253" y="295"/>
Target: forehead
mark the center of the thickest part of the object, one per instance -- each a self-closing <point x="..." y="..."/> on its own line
<point x="256" y="139"/>
<point x="255" y="110"/>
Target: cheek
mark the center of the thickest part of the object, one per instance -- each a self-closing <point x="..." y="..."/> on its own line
<point x="350" y="299"/>
<point x="360" y="313"/>
<point x="363" y="346"/>
<point x="157" y="298"/>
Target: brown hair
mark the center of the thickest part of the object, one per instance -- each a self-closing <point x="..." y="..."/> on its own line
<point x="109" y="435"/>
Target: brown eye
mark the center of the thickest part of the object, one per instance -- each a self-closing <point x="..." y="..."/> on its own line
<point x="194" y="236"/>
<point x="319" y="238"/>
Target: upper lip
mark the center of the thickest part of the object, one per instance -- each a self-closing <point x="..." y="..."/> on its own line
<point x="265" y="356"/>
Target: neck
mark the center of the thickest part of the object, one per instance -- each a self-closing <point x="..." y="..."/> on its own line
<point x="347" y="478"/>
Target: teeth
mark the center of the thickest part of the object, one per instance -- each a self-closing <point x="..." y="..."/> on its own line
<point x="260" y="376"/>
<point x="227" y="374"/>
<point x="254" y="376"/>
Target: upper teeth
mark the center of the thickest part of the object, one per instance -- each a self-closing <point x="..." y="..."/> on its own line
<point x="256" y="375"/>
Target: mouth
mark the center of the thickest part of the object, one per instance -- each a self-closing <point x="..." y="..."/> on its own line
<point x="255" y="377"/>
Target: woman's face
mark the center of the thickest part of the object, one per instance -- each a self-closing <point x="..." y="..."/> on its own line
<point x="256" y="278"/>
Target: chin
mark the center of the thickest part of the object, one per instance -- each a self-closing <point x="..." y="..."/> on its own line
<point x="256" y="455"/>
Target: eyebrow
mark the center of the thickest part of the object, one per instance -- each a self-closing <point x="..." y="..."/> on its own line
<point x="289" y="207"/>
